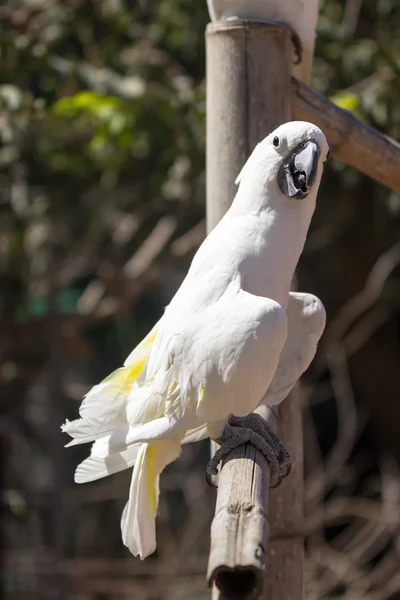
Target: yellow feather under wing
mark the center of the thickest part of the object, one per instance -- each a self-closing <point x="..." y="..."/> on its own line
<point x="142" y="351"/>
<point x="103" y="407"/>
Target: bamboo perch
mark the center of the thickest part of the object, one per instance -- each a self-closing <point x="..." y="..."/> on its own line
<point x="240" y="529"/>
<point x="248" y="95"/>
<point x="351" y="140"/>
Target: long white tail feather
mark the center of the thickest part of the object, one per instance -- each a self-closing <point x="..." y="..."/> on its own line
<point x="96" y="467"/>
<point x="83" y="432"/>
<point x="138" y="525"/>
<point x="100" y="448"/>
<point x="123" y="436"/>
<point x="103" y="461"/>
<point x="145" y="409"/>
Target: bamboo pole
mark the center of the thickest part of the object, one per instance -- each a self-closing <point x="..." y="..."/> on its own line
<point x="248" y="95"/>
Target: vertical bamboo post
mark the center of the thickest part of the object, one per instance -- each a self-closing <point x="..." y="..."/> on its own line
<point x="249" y="95"/>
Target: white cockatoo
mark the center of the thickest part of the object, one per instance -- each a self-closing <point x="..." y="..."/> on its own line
<point x="300" y="15"/>
<point x="233" y="336"/>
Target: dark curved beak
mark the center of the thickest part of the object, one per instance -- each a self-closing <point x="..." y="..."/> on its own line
<point x="297" y="173"/>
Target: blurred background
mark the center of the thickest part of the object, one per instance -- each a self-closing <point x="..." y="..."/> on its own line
<point x="102" y="125"/>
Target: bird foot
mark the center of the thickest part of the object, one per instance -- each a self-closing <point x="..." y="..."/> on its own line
<point x="255" y="430"/>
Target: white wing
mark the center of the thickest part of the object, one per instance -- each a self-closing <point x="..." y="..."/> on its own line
<point x="214" y="354"/>
<point x="306" y="322"/>
<point x="222" y="345"/>
<point x="103" y="408"/>
<point x="300" y="15"/>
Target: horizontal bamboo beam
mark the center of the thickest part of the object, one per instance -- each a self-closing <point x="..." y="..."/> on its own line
<point x="350" y="140"/>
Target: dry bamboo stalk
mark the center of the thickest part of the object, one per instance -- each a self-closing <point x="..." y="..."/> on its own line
<point x="240" y="529"/>
<point x="351" y="140"/>
<point x="248" y="95"/>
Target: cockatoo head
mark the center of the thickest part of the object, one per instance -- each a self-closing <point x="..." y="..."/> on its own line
<point x="287" y="162"/>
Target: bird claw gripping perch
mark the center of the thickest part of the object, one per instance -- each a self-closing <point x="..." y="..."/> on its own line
<point x="255" y="430"/>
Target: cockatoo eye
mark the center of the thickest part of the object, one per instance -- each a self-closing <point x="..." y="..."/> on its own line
<point x="275" y="141"/>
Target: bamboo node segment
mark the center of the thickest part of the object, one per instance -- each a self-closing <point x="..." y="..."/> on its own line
<point x="238" y="508"/>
